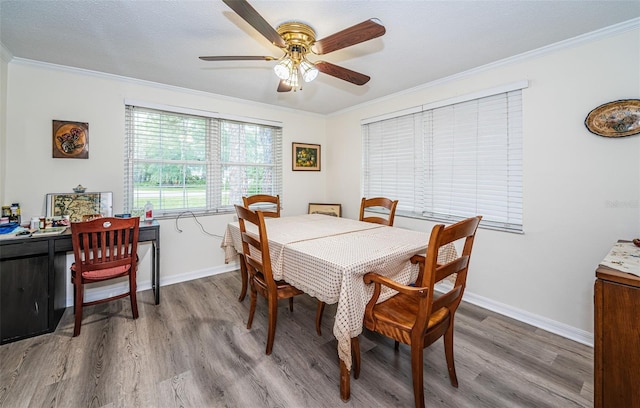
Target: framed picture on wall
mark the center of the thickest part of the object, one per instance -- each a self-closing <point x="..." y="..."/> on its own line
<point x="334" y="210"/>
<point x="70" y="140"/>
<point x="306" y="157"/>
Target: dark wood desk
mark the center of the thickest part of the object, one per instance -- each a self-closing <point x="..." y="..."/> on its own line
<point x="33" y="281"/>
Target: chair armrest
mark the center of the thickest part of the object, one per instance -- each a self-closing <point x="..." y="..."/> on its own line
<point x="418" y="259"/>
<point x="378" y="279"/>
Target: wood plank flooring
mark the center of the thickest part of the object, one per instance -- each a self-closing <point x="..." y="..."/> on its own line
<point x="193" y="350"/>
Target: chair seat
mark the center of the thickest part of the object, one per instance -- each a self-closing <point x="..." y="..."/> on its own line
<point x="103" y="273"/>
<point x="400" y="311"/>
<point x="284" y="290"/>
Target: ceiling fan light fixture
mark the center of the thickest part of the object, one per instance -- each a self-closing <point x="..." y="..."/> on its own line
<point x="308" y="71"/>
<point x="284" y="68"/>
<point x="293" y="81"/>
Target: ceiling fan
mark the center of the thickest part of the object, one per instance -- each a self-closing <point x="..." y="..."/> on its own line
<point x="298" y="40"/>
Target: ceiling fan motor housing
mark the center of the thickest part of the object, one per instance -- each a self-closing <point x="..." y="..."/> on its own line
<point x="298" y="36"/>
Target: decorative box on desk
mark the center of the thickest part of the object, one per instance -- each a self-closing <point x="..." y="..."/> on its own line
<point x="617" y="329"/>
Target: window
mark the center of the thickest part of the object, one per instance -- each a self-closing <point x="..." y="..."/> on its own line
<point x="186" y="161"/>
<point x="451" y="160"/>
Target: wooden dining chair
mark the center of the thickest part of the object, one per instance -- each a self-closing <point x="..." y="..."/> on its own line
<point x="415" y="315"/>
<point x="383" y="202"/>
<point x="258" y="264"/>
<point x="104" y="248"/>
<point x="249" y="201"/>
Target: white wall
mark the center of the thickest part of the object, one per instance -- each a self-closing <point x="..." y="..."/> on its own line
<point x="39" y="93"/>
<point x="5" y="57"/>
<point x="581" y="191"/>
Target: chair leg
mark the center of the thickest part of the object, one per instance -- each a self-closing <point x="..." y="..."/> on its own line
<point x="355" y="353"/>
<point x="252" y="309"/>
<point x="448" y="352"/>
<point x="244" y="275"/>
<point x="133" y="295"/>
<point x="417" y="374"/>
<point x="291" y="304"/>
<point x="319" y="312"/>
<point x="77" y="307"/>
<point x="273" y="318"/>
<point x="74" y="296"/>
<point x="396" y="345"/>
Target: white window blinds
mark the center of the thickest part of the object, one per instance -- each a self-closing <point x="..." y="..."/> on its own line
<point x="393" y="162"/>
<point x="451" y="162"/>
<point x="181" y="162"/>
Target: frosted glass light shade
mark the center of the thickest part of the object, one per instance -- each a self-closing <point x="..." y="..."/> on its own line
<point x="284" y="68"/>
<point x="308" y="70"/>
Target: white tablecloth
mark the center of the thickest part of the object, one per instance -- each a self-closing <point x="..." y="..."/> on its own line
<point x="327" y="257"/>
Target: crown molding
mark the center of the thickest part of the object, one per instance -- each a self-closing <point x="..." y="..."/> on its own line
<point x="593" y="36"/>
<point x="5" y="54"/>
<point x="157" y="85"/>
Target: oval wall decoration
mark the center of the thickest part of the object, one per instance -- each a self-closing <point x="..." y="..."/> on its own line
<point x="615" y="119"/>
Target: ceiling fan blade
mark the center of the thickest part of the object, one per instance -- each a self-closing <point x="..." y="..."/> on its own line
<point x="238" y="58"/>
<point x="251" y="16"/>
<point x="342" y="73"/>
<point x="365" y="31"/>
<point x="282" y="87"/>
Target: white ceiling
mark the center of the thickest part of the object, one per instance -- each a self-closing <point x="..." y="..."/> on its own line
<point x="160" y="41"/>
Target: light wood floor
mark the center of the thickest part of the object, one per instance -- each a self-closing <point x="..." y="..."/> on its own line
<point x="193" y="350"/>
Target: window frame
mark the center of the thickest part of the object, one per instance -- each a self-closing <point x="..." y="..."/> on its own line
<point x="213" y="163"/>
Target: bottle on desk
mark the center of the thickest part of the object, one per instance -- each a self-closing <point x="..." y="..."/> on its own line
<point x="148" y="211"/>
<point x="15" y="213"/>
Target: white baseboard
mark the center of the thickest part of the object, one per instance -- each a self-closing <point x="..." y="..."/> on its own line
<point x="92" y="294"/>
<point x="552" y="326"/>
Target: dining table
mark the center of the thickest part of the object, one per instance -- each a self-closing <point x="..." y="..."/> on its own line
<point x="327" y="257"/>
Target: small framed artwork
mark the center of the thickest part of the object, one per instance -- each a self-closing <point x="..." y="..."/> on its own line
<point x="79" y="205"/>
<point x="334" y="210"/>
<point x="306" y="157"/>
<point x="70" y="140"/>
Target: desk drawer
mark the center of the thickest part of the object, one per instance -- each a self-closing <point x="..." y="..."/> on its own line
<point x="148" y="234"/>
<point x="63" y="244"/>
<point x="24" y="247"/>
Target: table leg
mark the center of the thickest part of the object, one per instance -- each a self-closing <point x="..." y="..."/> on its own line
<point x="155" y="260"/>
<point x="345" y="382"/>
<point x="345" y="375"/>
<point x="355" y="353"/>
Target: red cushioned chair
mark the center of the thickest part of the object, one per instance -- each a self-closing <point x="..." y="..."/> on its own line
<point x="104" y="248"/>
